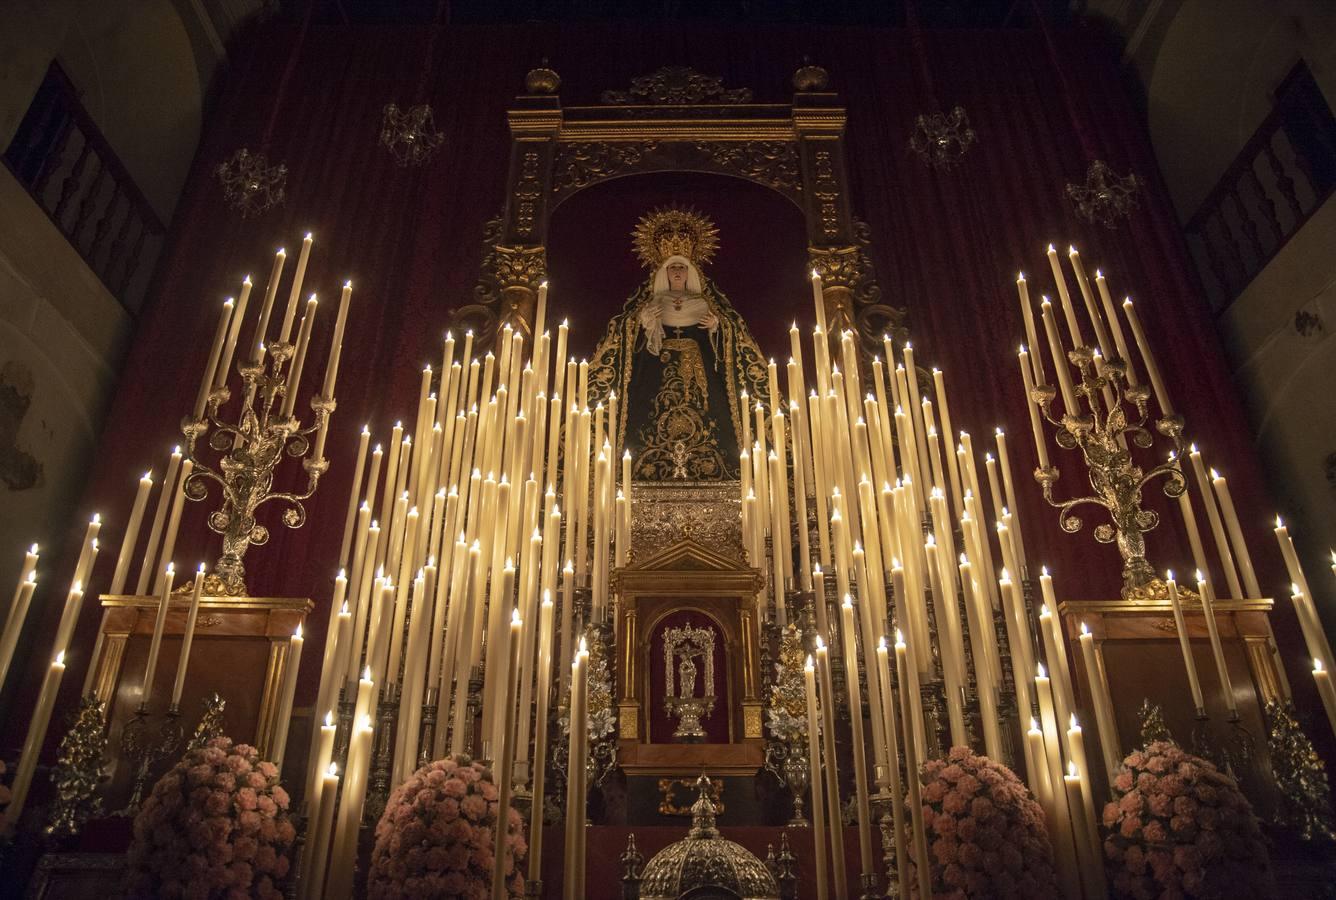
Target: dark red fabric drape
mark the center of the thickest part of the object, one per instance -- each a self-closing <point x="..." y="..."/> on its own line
<point x="946" y="246"/>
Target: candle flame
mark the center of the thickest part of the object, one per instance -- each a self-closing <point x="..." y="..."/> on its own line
<point x="1294" y="589"/>
<point x="329" y="718"/>
<point x="1034" y="724"/>
<point x="820" y="644"/>
<point x="584" y="647"/>
<point x="1071" y="769"/>
<point x="848" y="602"/>
<point x="815" y="276"/>
<point x="1201" y="578"/>
<point x="1279" y="524"/>
<point x="298" y="633"/>
<point x="1169" y="574"/>
<point x="343" y="610"/>
<point x="366" y="674"/>
<point x="1020" y="276"/>
<point x="1040" y="671"/>
<point x="964" y="560"/>
<point x="60" y="658"/>
<point x="1317" y="664"/>
<point x="1043" y="610"/>
<point x="33" y="549"/>
<point x="808" y="666"/>
<point x="515" y="618"/>
<point x="1021" y="350"/>
<point x="899" y="638"/>
<point x="333" y="769"/>
<point x="1084" y="629"/>
<point x="32" y="578"/>
<point x="931" y="541"/>
<point x="1072" y="723"/>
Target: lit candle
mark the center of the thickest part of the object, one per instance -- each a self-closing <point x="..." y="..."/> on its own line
<point x="889" y="701"/>
<point x="1100" y="700"/>
<point x="299" y="357"/>
<point x="922" y="862"/>
<point x="1189" y="517"/>
<point x="575" y="782"/>
<point x="849" y="640"/>
<point x="188" y="637"/>
<point x="1068" y="311"/>
<point x="215" y="352"/>
<point x="131" y="534"/>
<point x="1036" y="428"/>
<point x="1322" y="678"/>
<point x="1088" y="296"/>
<point x="343" y="855"/>
<point x="1036" y="771"/>
<point x="1148" y="359"/>
<point x="338" y="638"/>
<point x="317" y="847"/>
<point x="32" y="744"/>
<point x="506" y="752"/>
<point x="88" y="551"/>
<point x="1060" y="364"/>
<point x="1076" y="747"/>
<point x="1031" y="336"/>
<point x="1217" y="650"/>
<point x="835" y="811"/>
<point x="1064" y="845"/>
<point x="819" y="301"/>
<point x="173" y="522"/>
<point x="1063" y="700"/>
<point x="1217" y="527"/>
<point x="17" y="614"/>
<point x="545" y="625"/>
<point x="1119" y="340"/>
<point x="267" y="307"/>
<point x="322" y="752"/>
<point x="233" y="330"/>
<point x="1089" y="855"/>
<point x="814" y="777"/>
<point x="1311" y="625"/>
<point x="155" y="644"/>
<point x="159" y="516"/>
<point x="1286" y="544"/>
<point x="284" y="717"/>
<point x="290" y="313"/>
<point x="1198" y="703"/>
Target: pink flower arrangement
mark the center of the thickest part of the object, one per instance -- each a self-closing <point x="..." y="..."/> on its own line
<point x="215" y="826"/>
<point x="986" y="834"/>
<point x="1180" y="828"/>
<point x="436" y="836"/>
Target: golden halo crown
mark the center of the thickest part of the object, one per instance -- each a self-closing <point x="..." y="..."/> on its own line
<point x="674" y="231"/>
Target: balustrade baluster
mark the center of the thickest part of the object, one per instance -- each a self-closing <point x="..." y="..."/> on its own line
<point x="71" y="184"/>
<point x="104" y="226"/>
<point x="1217" y="261"/>
<point x="1284" y="183"/>
<point x="1264" y="203"/>
<point x="87" y="205"/>
<point x="1235" y="255"/>
<point x="114" y="255"/>
<point x="132" y="262"/>
<point x="1249" y="230"/>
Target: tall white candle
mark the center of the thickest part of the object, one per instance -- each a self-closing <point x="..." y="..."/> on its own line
<point x="922" y="862"/>
<point x="1060" y="363"/>
<point x="814" y="778"/>
<point x="298" y="363"/>
<point x="506" y="755"/>
<point x="1068" y="311"/>
<point x="267" y="307"/>
<point x="1322" y="679"/>
<point x="1036" y="427"/>
<point x="155" y="643"/>
<point x="1217" y="649"/>
<point x="146" y="569"/>
<point x="1241" y="554"/>
<point x="173" y="522"/>
<point x="1217" y="527"/>
<point x="573" y="868"/>
<point x="336" y="343"/>
<point x="233" y="330"/>
<point x="32" y="744"/>
<point x="290" y="313"/>
<point x="18" y="613"/>
<point x="188" y="637"/>
<point x="1035" y="366"/>
<point x="1099" y="699"/>
<point x="1185" y="644"/>
<point x="131" y="534"/>
<point x="1148" y="359"/>
<point x="215" y="352"/>
<point x="830" y="769"/>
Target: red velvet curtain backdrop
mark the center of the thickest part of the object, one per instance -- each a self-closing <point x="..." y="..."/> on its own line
<point x="946" y="245"/>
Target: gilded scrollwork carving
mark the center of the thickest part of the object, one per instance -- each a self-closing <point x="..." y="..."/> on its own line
<point x="771" y="163"/>
<point x="849" y="271"/>
<point x="708" y="513"/>
<point x="582" y="163"/>
<point x="678" y="86"/>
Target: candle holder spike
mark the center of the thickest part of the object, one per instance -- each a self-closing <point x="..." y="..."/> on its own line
<point x="144" y="752"/>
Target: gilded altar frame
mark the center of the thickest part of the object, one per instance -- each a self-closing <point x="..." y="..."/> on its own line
<point x="677" y="119"/>
<point x="688" y="576"/>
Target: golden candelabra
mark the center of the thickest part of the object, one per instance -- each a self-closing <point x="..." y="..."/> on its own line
<point x="251" y="450"/>
<point x="1114" y="414"/>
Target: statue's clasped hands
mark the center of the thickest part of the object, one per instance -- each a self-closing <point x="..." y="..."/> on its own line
<point x="709" y="320"/>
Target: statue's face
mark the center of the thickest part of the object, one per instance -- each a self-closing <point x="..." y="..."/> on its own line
<point x="677" y="277"/>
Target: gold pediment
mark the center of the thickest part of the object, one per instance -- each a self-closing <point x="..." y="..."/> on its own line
<point x="688" y="556"/>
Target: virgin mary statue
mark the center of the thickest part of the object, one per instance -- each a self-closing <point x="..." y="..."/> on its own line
<point x="680" y="358"/>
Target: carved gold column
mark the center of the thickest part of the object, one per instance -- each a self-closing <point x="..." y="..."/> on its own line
<point x="840" y="269"/>
<point x="519" y="271"/>
<point x="628" y="709"/>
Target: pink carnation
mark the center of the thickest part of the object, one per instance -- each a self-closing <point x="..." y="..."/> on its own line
<point x="435" y="837"/>
<point x="197" y="835"/>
